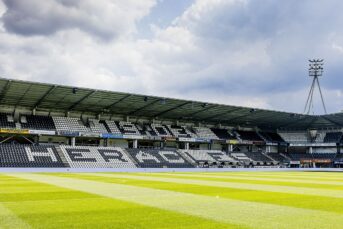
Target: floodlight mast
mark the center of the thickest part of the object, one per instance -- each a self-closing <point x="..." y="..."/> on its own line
<point x="315" y="70"/>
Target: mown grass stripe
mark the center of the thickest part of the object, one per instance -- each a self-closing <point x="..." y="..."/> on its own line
<point x="10" y="220"/>
<point x="232" y="176"/>
<point x="279" y="173"/>
<point x="234" y="185"/>
<point x="329" y="204"/>
<point x="282" y="175"/>
<point x="254" y="215"/>
<point x="94" y="211"/>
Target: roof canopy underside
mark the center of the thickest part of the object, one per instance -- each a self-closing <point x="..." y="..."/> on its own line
<point x="52" y="97"/>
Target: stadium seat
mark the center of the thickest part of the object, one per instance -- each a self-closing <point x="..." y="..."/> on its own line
<point x="161" y="130"/>
<point x="29" y="156"/>
<point x="241" y="157"/>
<point x="69" y="124"/>
<point x="209" y="157"/>
<point x="128" y="128"/>
<point x="223" y="134"/>
<point x="97" y="157"/>
<point x="249" y="135"/>
<point x="272" y="137"/>
<point x="259" y="158"/>
<point x="36" y="122"/>
<point x="180" y="131"/>
<point x="96" y="126"/>
<point x="295" y="137"/>
<point x="112" y="127"/>
<point x="334" y="137"/>
<point x="6" y="121"/>
<point x="279" y="157"/>
<point x="204" y="132"/>
<point x="158" y="158"/>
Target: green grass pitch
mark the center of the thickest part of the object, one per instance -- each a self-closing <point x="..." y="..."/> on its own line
<point x="172" y="200"/>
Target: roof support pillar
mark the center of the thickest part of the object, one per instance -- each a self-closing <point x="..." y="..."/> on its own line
<point x="16" y="115"/>
<point x="72" y="141"/>
<point x="135" y="143"/>
<point x="186" y="145"/>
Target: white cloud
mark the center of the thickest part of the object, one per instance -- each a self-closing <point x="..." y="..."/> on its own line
<point x="236" y="52"/>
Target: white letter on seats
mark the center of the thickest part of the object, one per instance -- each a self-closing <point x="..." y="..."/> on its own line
<point x="143" y="156"/>
<point x="178" y="159"/>
<point x="32" y="154"/>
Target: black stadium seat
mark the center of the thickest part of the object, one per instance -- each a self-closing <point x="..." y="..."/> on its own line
<point x="36" y="122"/>
<point x="249" y="135"/>
<point x="4" y="121"/>
<point x="333" y="137"/>
<point x="272" y="137"/>
<point x="278" y="157"/>
<point x="29" y="156"/>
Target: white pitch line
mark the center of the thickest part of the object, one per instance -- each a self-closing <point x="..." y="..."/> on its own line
<point x="234" y="185"/>
<point x="249" y="214"/>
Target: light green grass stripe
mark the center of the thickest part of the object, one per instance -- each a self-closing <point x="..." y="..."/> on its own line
<point x="321" y="203"/>
<point x="279" y="173"/>
<point x="337" y="177"/>
<point x="254" y="215"/>
<point x="235" y="185"/>
<point x="232" y="176"/>
<point x="10" y="220"/>
<point x="93" y="211"/>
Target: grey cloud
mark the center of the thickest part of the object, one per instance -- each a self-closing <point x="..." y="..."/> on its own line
<point x="252" y="48"/>
<point x="31" y="18"/>
<point x="103" y="19"/>
<point x="292" y="30"/>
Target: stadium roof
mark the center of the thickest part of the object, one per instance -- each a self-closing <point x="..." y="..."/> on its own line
<point x="51" y="97"/>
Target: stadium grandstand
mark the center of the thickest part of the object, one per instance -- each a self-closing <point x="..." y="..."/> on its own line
<point x="47" y="125"/>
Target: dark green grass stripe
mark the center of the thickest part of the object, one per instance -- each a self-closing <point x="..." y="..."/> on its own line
<point x="65" y="208"/>
<point x="255" y="215"/>
<point x="286" y="199"/>
<point x="335" y="176"/>
<point x="237" y="185"/>
<point x="332" y="185"/>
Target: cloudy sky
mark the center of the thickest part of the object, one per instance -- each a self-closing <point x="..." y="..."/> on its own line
<point x="237" y="52"/>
